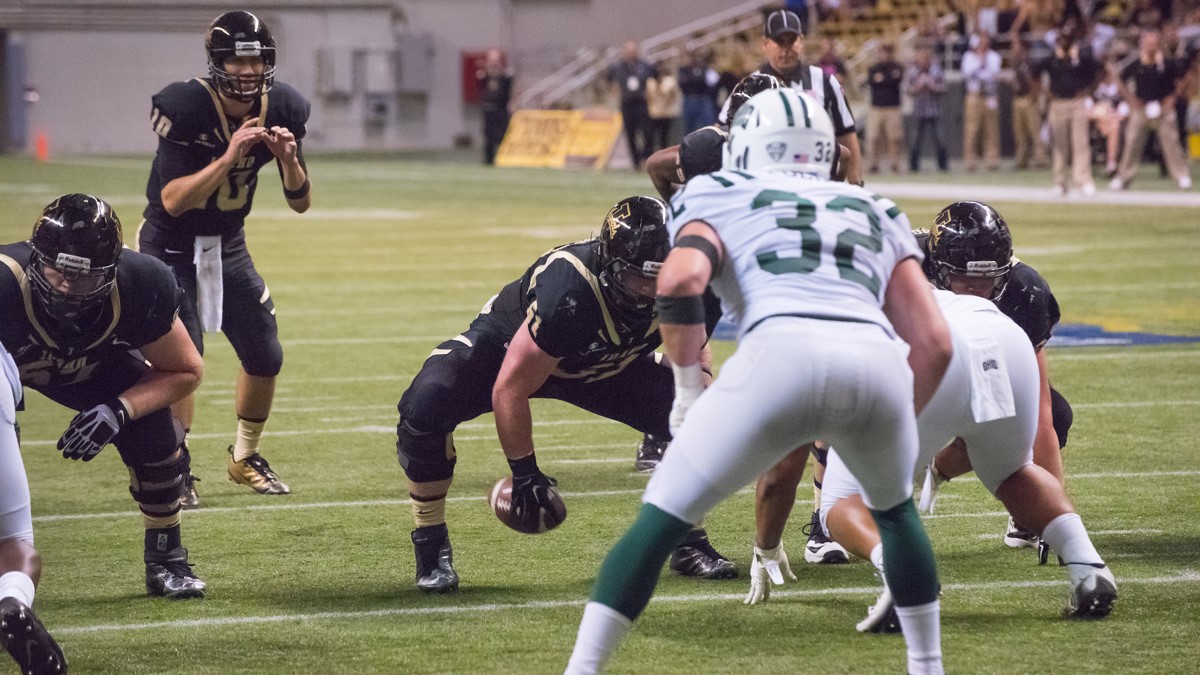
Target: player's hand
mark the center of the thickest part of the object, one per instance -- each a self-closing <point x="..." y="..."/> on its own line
<point x="93" y="429"/>
<point x="282" y="143"/>
<point x="770" y="566"/>
<point x="842" y="165"/>
<point x="529" y="494"/>
<point x="247" y="136"/>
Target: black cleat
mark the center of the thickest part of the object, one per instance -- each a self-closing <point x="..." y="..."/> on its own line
<point x="650" y="453"/>
<point x="435" y="559"/>
<point x="697" y="558"/>
<point x="820" y="549"/>
<point x="171" y="576"/>
<point x="1093" y="593"/>
<point x="27" y="640"/>
<point x="1016" y="536"/>
<point x="190" y="498"/>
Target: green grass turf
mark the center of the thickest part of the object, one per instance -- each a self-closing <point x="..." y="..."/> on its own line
<point x="399" y="254"/>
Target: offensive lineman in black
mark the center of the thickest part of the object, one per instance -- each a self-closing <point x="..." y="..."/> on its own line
<point x="579" y="326"/>
<point x="95" y="328"/>
<point x="215" y="135"/>
<point x="969" y="251"/>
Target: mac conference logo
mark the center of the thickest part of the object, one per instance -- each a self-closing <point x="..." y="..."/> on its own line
<point x="776" y="150"/>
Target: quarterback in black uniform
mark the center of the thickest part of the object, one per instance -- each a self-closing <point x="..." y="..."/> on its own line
<point x="95" y="328"/>
<point x="969" y="251"/>
<point x="215" y="135"/>
<point x="579" y="326"/>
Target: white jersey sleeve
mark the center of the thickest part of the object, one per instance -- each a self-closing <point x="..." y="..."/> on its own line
<point x="797" y="246"/>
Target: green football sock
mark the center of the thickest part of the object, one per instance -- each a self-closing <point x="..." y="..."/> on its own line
<point x="907" y="555"/>
<point x="630" y="571"/>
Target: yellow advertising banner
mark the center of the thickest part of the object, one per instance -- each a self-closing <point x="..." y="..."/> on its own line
<point x="560" y="138"/>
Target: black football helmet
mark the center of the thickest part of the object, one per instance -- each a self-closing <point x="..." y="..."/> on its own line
<point x="633" y="244"/>
<point x="750" y="85"/>
<point x="239" y="34"/>
<point x="970" y="239"/>
<point x="76" y="247"/>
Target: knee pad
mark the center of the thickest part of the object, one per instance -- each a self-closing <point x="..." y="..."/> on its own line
<point x="426" y="456"/>
<point x="157" y="488"/>
<point x="1063" y="416"/>
<point x="264" y="360"/>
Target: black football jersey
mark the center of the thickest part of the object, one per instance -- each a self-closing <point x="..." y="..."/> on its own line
<point x="1026" y="300"/>
<point x="700" y="152"/>
<point x="193" y="131"/>
<point x="559" y="301"/>
<point x="140" y="309"/>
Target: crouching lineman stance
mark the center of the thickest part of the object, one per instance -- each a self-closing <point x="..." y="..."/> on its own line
<point x="989" y="398"/>
<point x="95" y="328"/>
<point x="969" y="251"/>
<point x="215" y="135"/>
<point x="820" y="278"/>
<point x="579" y="326"/>
<point x="24" y="636"/>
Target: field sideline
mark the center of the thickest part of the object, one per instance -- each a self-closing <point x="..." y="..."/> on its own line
<point x="399" y="254"/>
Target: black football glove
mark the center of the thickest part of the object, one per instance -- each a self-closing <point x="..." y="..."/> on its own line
<point x="93" y="429"/>
<point x="530" y="492"/>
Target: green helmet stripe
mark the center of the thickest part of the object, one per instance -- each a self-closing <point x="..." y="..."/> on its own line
<point x="787" y="107"/>
<point x="803" y="109"/>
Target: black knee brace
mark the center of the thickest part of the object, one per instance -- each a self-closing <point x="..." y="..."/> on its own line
<point x="168" y="482"/>
<point x="1063" y="416"/>
<point x="426" y="456"/>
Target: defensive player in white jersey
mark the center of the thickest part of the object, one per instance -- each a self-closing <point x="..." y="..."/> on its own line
<point x="819" y="278"/>
<point x="989" y="398"/>
<point x="23" y="634"/>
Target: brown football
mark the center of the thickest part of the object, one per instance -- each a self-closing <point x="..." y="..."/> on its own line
<point x="543" y="520"/>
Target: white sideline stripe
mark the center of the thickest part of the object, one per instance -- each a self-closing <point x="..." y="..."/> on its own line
<point x="1061" y="354"/>
<point x="1092" y="533"/>
<point x="1135" y="404"/>
<point x="1184" y="577"/>
<point x="606" y="460"/>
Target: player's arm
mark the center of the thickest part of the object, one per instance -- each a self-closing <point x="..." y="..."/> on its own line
<point x="685" y="274"/>
<point x="1046" y="452"/>
<point x="192" y="191"/>
<point x="296" y="186"/>
<point x="176" y="371"/>
<point x="663" y="168"/>
<point x="525" y="369"/>
<point x="852" y="160"/>
<point x="910" y="306"/>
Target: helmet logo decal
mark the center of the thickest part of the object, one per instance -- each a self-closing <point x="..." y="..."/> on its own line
<point x="982" y="266"/>
<point x="776" y="150"/>
<point x="615" y="216"/>
<point x="651" y="268"/>
<point x="74" y="263"/>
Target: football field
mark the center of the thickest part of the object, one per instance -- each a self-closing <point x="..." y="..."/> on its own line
<point x="399" y="254"/>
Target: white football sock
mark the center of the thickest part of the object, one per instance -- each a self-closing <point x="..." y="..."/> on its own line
<point x="1069" y="539"/>
<point x="923" y="636"/>
<point x="17" y="585"/>
<point x="600" y="633"/>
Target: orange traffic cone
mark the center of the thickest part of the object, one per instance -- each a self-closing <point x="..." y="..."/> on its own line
<point x="41" y="147"/>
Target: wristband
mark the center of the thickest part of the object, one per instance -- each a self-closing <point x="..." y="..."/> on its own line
<point x="299" y="192"/>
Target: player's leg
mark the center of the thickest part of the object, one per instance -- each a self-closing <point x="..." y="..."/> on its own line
<point x="820" y="548"/>
<point x="454" y="385"/>
<point x="249" y="323"/>
<point x="732" y="433"/>
<point x="24" y="636"/>
<point x="640" y="396"/>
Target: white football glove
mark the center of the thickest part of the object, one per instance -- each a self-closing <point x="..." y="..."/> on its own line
<point x="769" y="567"/>
<point x="689" y="384"/>
<point x="929" y="490"/>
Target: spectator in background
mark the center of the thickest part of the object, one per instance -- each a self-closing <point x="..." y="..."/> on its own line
<point x="495" y="85"/>
<point x="1152" y="108"/>
<point x="829" y="62"/>
<point x="1109" y="112"/>
<point x="697" y="79"/>
<point x="885" y="125"/>
<point x="665" y="104"/>
<point x="1073" y="72"/>
<point x="627" y="78"/>
<point x="1026" y="108"/>
<point x="926" y="85"/>
<point x="981" y="109"/>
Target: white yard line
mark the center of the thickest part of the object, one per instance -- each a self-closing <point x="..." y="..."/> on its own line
<point x="1186" y="577"/>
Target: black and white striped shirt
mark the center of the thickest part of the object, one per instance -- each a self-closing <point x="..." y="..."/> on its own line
<point x="813" y="81"/>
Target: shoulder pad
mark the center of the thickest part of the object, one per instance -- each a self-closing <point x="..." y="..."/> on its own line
<point x="179" y="110"/>
<point x="287" y="108"/>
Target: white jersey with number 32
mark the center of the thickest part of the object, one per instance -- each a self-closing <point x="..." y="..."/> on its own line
<point x="797" y="246"/>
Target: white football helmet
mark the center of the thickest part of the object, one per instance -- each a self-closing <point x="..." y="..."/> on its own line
<point x="782" y="129"/>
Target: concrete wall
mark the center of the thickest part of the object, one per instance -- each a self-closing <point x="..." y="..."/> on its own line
<point x="96" y="63"/>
